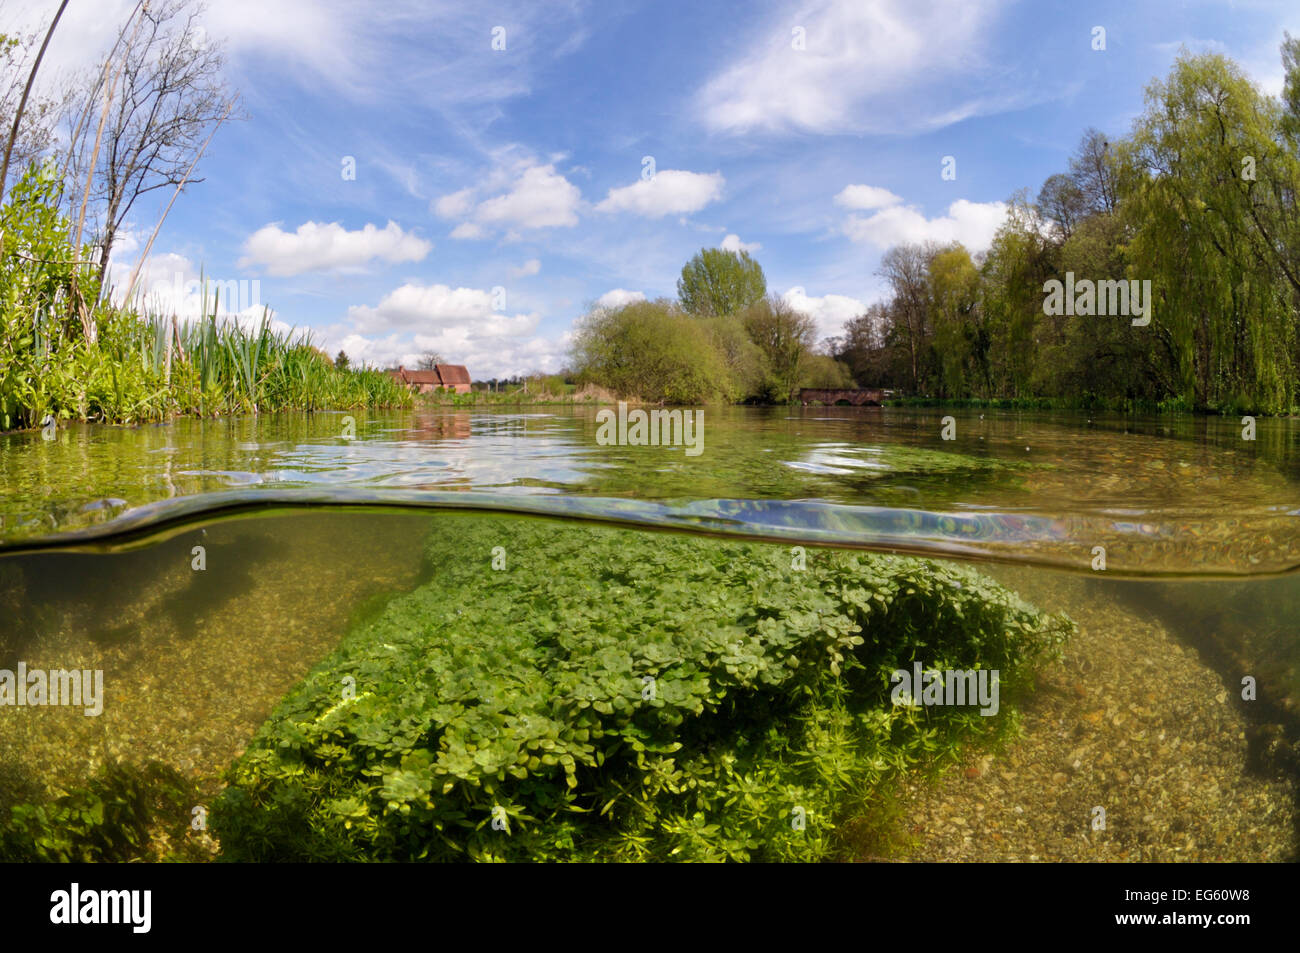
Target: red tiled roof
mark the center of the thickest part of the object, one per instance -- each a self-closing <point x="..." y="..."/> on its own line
<point x="452" y="374"/>
<point x="442" y="375"/>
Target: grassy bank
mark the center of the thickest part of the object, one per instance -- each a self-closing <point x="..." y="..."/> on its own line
<point x="68" y="353"/>
<point x="515" y="398"/>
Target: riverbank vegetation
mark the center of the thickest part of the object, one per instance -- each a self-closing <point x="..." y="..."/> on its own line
<point x="71" y="345"/>
<point x="681" y="699"/>
<point x="1199" y="200"/>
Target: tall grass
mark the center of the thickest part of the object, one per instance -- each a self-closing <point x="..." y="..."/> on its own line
<point x="143" y="365"/>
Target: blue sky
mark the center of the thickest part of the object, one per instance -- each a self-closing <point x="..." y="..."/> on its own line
<point x="498" y="193"/>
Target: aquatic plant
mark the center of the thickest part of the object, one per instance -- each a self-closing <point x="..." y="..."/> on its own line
<point x="660" y="698"/>
<point x="116" y="816"/>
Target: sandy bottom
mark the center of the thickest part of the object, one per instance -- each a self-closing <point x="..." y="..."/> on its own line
<point x="1132" y="722"/>
<point x="194" y="661"/>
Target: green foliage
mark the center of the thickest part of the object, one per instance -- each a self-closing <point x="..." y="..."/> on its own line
<point x="654" y="351"/>
<point x="717" y="282"/>
<point x="823" y="371"/>
<point x="1226" y="327"/>
<point x="1200" y="200"/>
<point x="136" y="367"/>
<point x="784" y="337"/>
<point x="662" y="698"/>
<point x="120" y="815"/>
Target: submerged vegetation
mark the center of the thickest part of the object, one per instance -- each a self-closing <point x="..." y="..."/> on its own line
<point x="124" y="813"/>
<point x="685" y="699"/>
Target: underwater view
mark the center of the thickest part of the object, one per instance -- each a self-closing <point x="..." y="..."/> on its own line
<point x="833" y="635"/>
<point x="860" y="436"/>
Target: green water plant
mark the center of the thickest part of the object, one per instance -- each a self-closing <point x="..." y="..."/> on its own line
<point x="606" y="695"/>
<point x="123" y="813"/>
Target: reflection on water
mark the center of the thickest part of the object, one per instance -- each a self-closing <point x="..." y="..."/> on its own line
<point x="1188" y="496"/>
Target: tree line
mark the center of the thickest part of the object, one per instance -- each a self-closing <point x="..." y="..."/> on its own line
<point x="1198" y="204"/>
<point x="1199" y="199"/>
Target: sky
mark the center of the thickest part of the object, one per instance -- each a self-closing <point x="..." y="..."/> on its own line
<point x="471" y="178"/>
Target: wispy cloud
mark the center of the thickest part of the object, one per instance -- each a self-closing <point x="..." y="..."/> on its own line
<point x="846" y="66"/>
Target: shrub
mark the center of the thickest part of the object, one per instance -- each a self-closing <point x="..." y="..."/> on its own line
<point x="653" y="350"/>
<point x="617" y="696"/>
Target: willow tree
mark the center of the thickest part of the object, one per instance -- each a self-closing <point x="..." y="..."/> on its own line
<point x="961" y="339"/>
<point x="1210" y="186"/>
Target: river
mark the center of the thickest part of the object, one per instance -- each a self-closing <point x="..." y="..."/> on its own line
<point x="205" y="566"/>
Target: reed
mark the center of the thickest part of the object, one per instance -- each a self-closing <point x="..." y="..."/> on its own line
<point x="143" y="364"/>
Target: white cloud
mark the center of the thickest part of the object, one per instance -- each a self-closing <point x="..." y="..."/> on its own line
<point x="469" y="231"/>
<point x="316" y="247"/>
<point x="535" y="196"/>
<point x="169" y="284"/>
<point x="733" y="243"/>
<point x="618" y="297"/>
<point x="459" y="323"/>
<point x="866" y="65"/>
<point x="866" y="197"/>
<point x="541" y="198"/>
<point x="455" y="205"/>
<point x="415" y="304"/>
<point x="971" y="223"/>
<point x="829" y="311"/>
<point x="419" y="52"/>
<point x="670" y="192"/>
<point x="531" y="267"/>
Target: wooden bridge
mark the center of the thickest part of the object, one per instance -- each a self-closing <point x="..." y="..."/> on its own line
<point x="858" y="397"/>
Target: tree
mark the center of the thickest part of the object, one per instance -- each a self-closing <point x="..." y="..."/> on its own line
<point x="904" y="267"/>
<point x="718" y="282"/>
<point x="1014" y="268"/>
<point x="1062" y="203"/>
<point x="169" y="95"/>
<point x="1211" y="187"/>
<point x="785" y="336"/>
<point x="1291" y="89"/>
<point x="428" y="360"/>
<point x="743" y="359"/>
<point x="341" y="361"/>
<point x="651" y="350"/>
<point x="863" y="348"/>
<point x="823" y="371"/>
<point x="26" y="124"/>
<point x="1093" y="170"/>
<point x="961" y="337"/>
